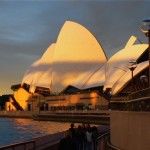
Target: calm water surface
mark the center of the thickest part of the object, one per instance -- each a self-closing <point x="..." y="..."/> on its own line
<point x="16" y="130"/>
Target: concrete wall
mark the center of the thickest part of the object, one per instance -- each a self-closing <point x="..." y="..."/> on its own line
<point x="130" y="130"/>
<point x="24" y="98"/>
<point x="48" y="141"/>
<point x="86" y="98"/>
<point x="15" y="114"/>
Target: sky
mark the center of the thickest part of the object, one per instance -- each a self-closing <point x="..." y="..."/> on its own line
<point x="29" y="27"/>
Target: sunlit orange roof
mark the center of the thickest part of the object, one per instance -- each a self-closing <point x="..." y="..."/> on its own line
<point x="76" y="51"/>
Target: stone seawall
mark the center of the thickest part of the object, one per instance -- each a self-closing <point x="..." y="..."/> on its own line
<point x="16" y="114"/>
<point x="92" y="118"/>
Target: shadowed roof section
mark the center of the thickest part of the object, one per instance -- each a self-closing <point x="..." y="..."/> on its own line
<point x="39" y="73"/>
<point x="93" y="78"/>
<point x="28" y="76"/>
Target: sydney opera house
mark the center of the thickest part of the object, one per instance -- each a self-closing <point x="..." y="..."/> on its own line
<point x="75" y="73"/>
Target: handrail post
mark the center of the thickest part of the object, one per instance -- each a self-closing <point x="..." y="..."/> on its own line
<point x="24" y="144"/>
<point x="34" y="145"/>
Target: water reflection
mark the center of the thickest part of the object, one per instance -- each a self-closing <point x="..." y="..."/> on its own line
<point x="16" y="130"/>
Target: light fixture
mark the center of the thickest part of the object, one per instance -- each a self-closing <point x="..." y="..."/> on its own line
<point x="132" y="65"/>
<point x="145" y="28"/>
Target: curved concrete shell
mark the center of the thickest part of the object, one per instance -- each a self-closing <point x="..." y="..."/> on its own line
<point x="117" y="65"/>
<point x="28" y="76"/>
<point x="77" y="51"/>
<point x="77" y="59"/>
<point x="120" y="84"/>
<point x="131" y="41"/>
<point x="39" y="73"/>
<point x="96" y="77"/>
<point x="92" y="78"/>
<point x="43" y="75"/>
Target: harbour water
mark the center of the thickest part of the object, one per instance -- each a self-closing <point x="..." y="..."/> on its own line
<point x="13" y="130"/>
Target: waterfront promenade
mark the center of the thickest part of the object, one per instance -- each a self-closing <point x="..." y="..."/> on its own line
<point x="52" y="140"/>
<point x="49" y="141"/>
<point x="90" y="116"/>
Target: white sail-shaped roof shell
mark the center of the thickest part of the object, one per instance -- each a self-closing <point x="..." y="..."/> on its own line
<point x="43" y="75"/>
<point x="35" y="75"/>
<point x="118" y="86"/>
<point x="77" y="51"/>
<point x="96" y="77"/>
<point x="28" y="76"/>
<point x="93" y="78"/>
<point x="131" y="41"/>
<point x="78" y="59"/>
<point x="117" y="65"/>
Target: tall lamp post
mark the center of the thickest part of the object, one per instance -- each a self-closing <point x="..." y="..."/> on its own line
<point x="39" y="105"/>
<point x="32" y="102"/>
<point x="132" y="65"/>
<point x="145" y="28"/>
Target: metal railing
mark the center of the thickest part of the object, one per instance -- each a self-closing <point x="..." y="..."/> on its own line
<point x="140" y="94"/>
<point x="103" y="142"/>
<point x="112" y="147"/>
<point x="27" y="145"/>
<point x="139" y="104"/>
